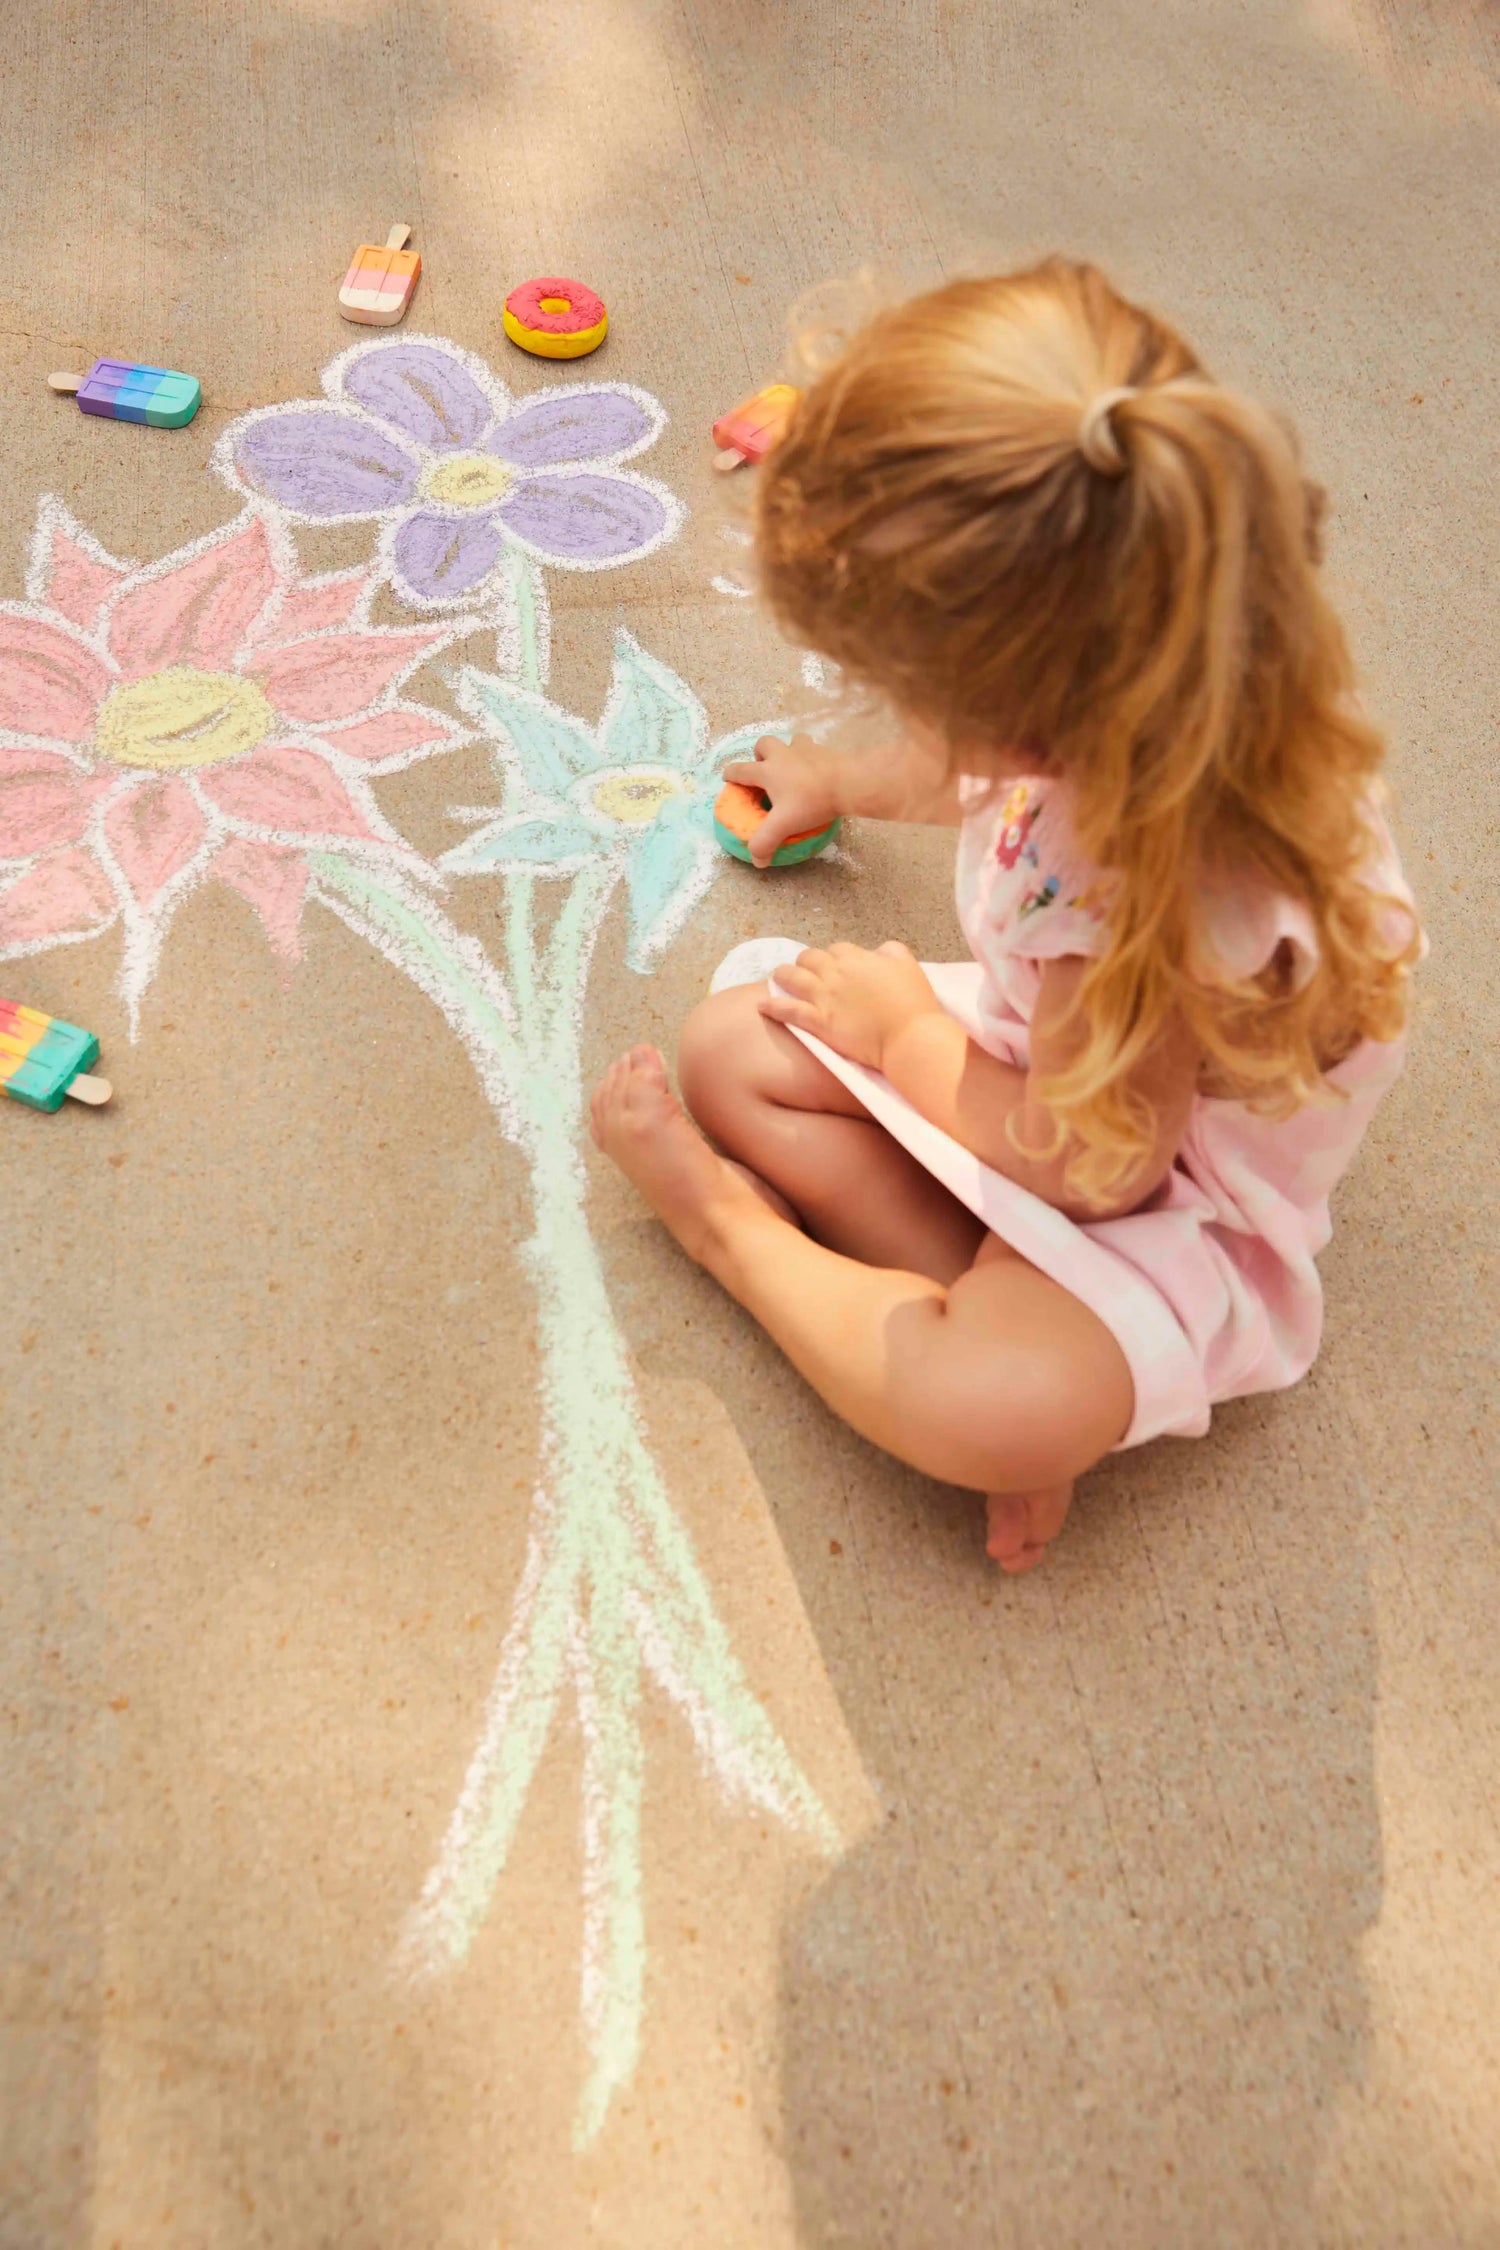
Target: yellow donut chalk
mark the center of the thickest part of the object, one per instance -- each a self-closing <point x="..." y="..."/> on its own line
<point x="555" y="319"/>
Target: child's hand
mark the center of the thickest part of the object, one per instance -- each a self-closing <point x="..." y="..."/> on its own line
<point x="853" y="1000"/>
<point x="799" y="777"/>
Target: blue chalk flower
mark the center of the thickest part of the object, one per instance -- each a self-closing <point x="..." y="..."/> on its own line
<point x="638" y="789"/>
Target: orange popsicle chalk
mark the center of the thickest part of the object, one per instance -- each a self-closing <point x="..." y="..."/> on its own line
<point x="750" y="431"/>
<point x="377" y="288"/>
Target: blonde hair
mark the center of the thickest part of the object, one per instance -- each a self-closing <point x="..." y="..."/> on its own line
<point x="1120" y="590"/>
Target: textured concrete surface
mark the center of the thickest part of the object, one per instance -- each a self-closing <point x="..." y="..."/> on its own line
<point x="1167" y="1914"/>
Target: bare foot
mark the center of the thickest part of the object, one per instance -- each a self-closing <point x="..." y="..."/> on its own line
<point x="1023" y="1525"/>
<point x="639" y="1123"/>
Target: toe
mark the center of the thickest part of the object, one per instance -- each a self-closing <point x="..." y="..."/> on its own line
<point x="1022" y="1525"/>
<point x="1016" y="1566"/>
<point x="648" y="1064"/>
<point x="606" y="1096"/>
<point x="599" y="1109"/>
<point x="1009" y="1526"/>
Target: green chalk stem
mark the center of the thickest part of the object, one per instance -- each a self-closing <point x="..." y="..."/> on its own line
<point x="612" y="1586"/>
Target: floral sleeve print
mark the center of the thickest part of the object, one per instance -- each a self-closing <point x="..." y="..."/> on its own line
<point x="1038" y="897"/>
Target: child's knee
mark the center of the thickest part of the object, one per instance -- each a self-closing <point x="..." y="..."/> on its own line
<point x="711" y="1051"/>
<point x="1009" y="1385"/>
<point x="966" y="1438"/>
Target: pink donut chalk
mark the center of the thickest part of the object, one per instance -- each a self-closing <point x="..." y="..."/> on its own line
<point x="555" y="319"/>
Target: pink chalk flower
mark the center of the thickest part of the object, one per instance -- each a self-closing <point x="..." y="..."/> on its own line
<point x="214" y="714"/>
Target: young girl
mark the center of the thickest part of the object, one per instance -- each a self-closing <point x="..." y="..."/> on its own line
<point x="1008" y="1215"/>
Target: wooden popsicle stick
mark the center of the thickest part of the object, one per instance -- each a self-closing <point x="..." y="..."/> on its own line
<point x="729" y="457"/>
<point x="398" y="238"/>
<point x="94" y="1091"/>
<point x="65" y="383"/>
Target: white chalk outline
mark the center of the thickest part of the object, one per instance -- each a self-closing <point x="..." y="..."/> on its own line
<point x="502" y="404"/>
<point x="145" y="927"/>
<point x="611" y="1590"/>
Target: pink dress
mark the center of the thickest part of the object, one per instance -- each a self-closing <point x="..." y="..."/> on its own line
<point x="1211" y="1288"/>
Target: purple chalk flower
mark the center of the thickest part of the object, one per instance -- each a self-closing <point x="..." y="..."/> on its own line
<point x="425" y="439"/>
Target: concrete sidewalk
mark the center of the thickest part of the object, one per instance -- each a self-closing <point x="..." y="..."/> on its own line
<point x="1146" y="1902"/>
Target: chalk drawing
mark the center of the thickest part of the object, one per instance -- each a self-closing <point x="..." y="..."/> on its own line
<point x="637" y="790"/>
<point x="214" y="715"/>
<point x="219" y="715"/>
<point x="465" y="482"/>
<point x="732" y="586"/>
<point x="611" y="1585"/>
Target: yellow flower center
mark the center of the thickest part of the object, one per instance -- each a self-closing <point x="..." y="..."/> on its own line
<point x="467" y="480"/>
<point x="636" y="795"/>
<point x="171" y="720"/>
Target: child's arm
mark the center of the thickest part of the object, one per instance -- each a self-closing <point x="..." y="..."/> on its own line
<point x="810" y="785"/>
<point x="879" y="1009"/>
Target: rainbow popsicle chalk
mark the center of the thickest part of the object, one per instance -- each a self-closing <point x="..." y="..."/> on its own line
<point x="749" y="433"/>
<point x="377" y="288"/>
<point x="126" y="390"/>
<point x="42" y="1059"/>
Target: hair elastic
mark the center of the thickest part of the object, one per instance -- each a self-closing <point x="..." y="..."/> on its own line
<point x="1097" y="441"/>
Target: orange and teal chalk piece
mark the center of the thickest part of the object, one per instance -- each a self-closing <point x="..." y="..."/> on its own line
<point x="739" y="811"/>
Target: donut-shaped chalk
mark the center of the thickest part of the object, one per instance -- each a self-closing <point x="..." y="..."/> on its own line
<point x="739" y="811"/>
<point x="556" y="319"/>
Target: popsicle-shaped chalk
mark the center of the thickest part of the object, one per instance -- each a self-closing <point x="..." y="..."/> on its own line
<point x="377" y="288"/>
<point x="749" y="433"/>
<point x="127" y="391"/>
<point x="42" y="1059"/>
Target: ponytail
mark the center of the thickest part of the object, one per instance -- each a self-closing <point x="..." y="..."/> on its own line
<point x="1022" y="509"/>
